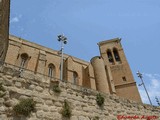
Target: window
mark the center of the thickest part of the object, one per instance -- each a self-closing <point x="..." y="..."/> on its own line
<point x="124" y="78"/>
<point x="51" y="70"/>
<point x="116" y="55"/>
<point x="110" y="58"/>
<point x="75" y="78"/>
<point x="24" y="58"/>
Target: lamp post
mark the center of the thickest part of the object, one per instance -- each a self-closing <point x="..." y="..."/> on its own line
<point x="141" y="77"/>
<point x="157" y="100"/>
<point x="63" y="40"/>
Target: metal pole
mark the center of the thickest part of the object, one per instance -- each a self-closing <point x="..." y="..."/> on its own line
<point x="61" y="72"/>
<point x="140" y="76"/>
<point x="63" y="41"/>
<point x="157" y="100"/>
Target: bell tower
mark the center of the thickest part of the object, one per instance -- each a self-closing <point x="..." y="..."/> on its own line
<point x="120" y="78"/>
<point x="4" y="27"/>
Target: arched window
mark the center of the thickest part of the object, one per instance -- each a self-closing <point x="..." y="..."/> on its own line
<point x="110" y="57"/>
<point x="116" y="55"/>
<point x="24" y="58"/>
<point x="75" y="78"/>
<point x="51" y="70"/>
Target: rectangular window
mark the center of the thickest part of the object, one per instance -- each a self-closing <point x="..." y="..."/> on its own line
<point x="22" y="63"/>
<point x="124" y="79"/>
<point x="50" y="72"/>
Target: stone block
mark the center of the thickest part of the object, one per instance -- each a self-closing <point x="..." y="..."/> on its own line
<point x="8" y="83"/>
<point x="18" y="84"/>
<point x="39" y="89"/>
<point x="2" y="109"/>
<point x="38" y="100"/>
<point x="82" y="118"/>
<point x="45" y="108"/>
<point x="58" y="104"/>
<point x="74" y="118"/>
<point x="9" y="76"/>
<point x="3" y="117"/>
<point x="23" y="97"/>
<point x="31" y="87"/>
<point x="49" y="102"/>
<point x="1" y="101"/>
<point x="40" y="114"/>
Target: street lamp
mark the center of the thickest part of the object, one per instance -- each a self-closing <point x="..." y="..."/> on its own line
<point x="63" y="40"/>
<point x="157" y="100"/>
<point x="141" y="77"/>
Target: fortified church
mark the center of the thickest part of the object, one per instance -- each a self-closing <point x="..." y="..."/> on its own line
<point x="30" y="88"/>
<point x="108" y="73"/>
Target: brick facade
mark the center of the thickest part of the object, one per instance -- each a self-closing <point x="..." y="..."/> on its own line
<point x="109" y="73"/>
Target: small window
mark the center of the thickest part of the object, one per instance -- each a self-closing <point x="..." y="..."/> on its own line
<point x="24" y="58"/>
<point x="110" y="58"/>
<point x="51" y="70"/>
<point x="116" y="55"/>
<point x="124" y="78"/>
<point x="75" y="78"/>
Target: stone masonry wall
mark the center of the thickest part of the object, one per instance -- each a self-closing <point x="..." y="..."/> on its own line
<point x="4" y="27"/>
<point x="49" y="104"/>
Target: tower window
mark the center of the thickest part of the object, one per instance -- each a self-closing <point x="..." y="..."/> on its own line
<point x="110" y="58"/>
<point x="51" y="70"/>
<point x="24" y="58"/>
<point x="124" y="79"/>
<point x="116" y="55"/>
<point x="75" y="78"/>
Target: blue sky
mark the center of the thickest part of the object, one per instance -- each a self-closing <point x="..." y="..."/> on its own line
<point x="87" y="22"/>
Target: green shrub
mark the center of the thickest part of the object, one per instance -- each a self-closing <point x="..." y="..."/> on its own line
<point x="2" y="91"/>
<point x="100" y="99"/>
<point x="1" y="87"/>
<point x="24" y="107"/>
<point x="66" y="111"/>
<point x="96" y="118"/>
<point x="2" y="94"/>
<point x="56" y="88"/>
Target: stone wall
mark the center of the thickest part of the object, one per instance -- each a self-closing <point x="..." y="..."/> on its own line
<point x="4" y="27"/>
<point x="49" y="104"/>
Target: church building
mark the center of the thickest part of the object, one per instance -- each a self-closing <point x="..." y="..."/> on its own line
<point x="108" y="73"/>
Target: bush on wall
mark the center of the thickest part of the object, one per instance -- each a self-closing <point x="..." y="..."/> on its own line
<point x="1" y="87"/>
<point x="66" y="111"/>
<point x="24" y="107"/>
<point x="56" y="88"/>
<point x="100" y="99"/>
<point x="2" y="91"/>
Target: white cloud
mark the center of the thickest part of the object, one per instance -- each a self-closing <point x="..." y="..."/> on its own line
<point x="149" y="75"/>
<point x="143" y="96"/>
<point x="155" y="83"/>
<point x="14" y="20"/>
<point x="158" y="75"/>
<point x="152" y="83"/>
